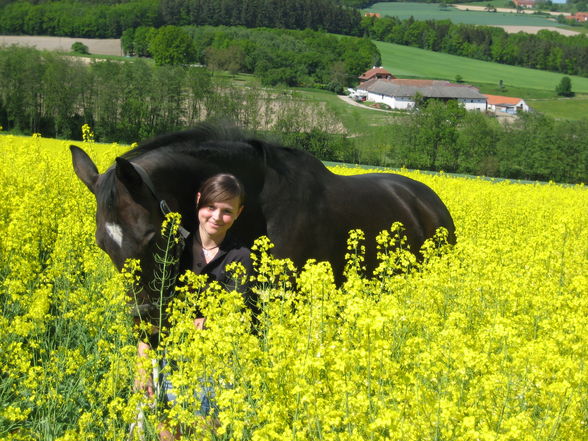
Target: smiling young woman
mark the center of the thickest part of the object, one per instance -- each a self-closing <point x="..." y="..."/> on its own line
<point x="219" y="203"/>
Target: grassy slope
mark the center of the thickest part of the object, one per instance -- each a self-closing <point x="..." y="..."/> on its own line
<point x="432" y="11"/>
<point x="407" y="61"/>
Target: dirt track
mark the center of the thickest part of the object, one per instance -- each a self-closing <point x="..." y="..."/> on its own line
<point x="522" y="11"/>
<point x="535" y="29"/>
<point x="108" y="46"/>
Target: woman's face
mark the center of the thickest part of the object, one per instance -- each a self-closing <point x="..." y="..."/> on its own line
<point x="217" y="217"/>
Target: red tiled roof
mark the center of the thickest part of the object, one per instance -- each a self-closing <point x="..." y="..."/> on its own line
<point x="372" y="14"/>
<point x="374" y="71"/>
<point x="497" y="100"/>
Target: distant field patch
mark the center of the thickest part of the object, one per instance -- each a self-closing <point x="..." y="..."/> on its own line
<point x="405" y="61"/>
<point x="564" y="108"/>
<point x="96" y="46"/>
<point x="535" y="29"/>
<point x="432" y="11"/>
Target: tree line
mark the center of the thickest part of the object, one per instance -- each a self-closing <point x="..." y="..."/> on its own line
<point x="327" y="15"/>
<point x="97" y="19"/>
<point x="289" y="57"/>
<point x="129" y="101"/>
<point x="546" y="50"/>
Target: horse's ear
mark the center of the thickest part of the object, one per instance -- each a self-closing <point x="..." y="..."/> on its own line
<point x="128" y="175"/>
<point x="84" y="167"/>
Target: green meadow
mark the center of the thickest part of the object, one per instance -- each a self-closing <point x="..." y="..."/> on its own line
<point x="563" y="108"/>
<point x="410" y="62"/>
<point x="433" y="11"/>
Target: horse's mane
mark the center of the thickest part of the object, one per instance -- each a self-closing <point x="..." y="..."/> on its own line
<point x="203" y="139"/>
<point x="188" y="140"/>
<point x="209" y="140"/>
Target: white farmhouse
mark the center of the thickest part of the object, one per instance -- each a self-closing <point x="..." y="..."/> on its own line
<point x="400" y="93"/>
<point x="506" y="104"/>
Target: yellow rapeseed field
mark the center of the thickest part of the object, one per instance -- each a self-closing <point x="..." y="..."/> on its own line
<point x="486" y="341"/>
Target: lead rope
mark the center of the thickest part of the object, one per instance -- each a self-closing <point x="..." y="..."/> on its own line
<point x="139" y="423"/>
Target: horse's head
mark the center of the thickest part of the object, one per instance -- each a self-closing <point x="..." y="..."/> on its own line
<point x="128" y="214"/>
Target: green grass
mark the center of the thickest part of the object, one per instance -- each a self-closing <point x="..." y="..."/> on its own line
<point x="410" y="62"/>
<point x="432" y="11"/>
<point x="354" y="118"/>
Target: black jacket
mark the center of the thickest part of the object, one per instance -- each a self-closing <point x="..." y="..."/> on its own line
<point x="229" y="251"/>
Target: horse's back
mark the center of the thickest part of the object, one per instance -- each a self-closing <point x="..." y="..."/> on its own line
<point x="403" y="199"/>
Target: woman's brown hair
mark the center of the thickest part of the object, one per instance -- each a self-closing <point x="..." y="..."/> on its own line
<point x="220" y="188"/>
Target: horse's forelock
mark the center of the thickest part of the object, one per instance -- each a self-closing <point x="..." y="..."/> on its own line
<point x="106" y="193"/>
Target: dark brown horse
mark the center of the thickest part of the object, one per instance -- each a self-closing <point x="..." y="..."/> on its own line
<point x="306" y="210"/>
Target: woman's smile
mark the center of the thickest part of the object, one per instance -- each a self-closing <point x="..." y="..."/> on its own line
<point x="217" y="217"/>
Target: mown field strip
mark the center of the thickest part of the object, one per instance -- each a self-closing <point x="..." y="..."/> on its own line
<point x="414" y="62"/>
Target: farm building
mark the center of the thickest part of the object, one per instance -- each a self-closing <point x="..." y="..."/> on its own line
<point x="400" y="94"/>
<point x="524" y="3"/>
<point x="376" y="72"/>
<point x="580" y="17"/>
<point x="506" y="104"/>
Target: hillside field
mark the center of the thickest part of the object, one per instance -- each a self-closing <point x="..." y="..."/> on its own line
<point x="405" y="61"/>
<point x="487" y="340"/>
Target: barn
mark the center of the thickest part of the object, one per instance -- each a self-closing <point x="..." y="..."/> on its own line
<point x="401" y="93"/>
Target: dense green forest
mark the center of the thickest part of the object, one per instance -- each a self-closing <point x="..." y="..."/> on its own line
<point x="292" y="14"/>
<point x="78" y="19"/>
<point x="105" y="20"/>
<point x="547" y="50"/>
<point x="293" y="58"/>
<point x="133" y="100"/>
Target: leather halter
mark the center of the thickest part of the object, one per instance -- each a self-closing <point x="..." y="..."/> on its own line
<point x="162" y="203"/>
